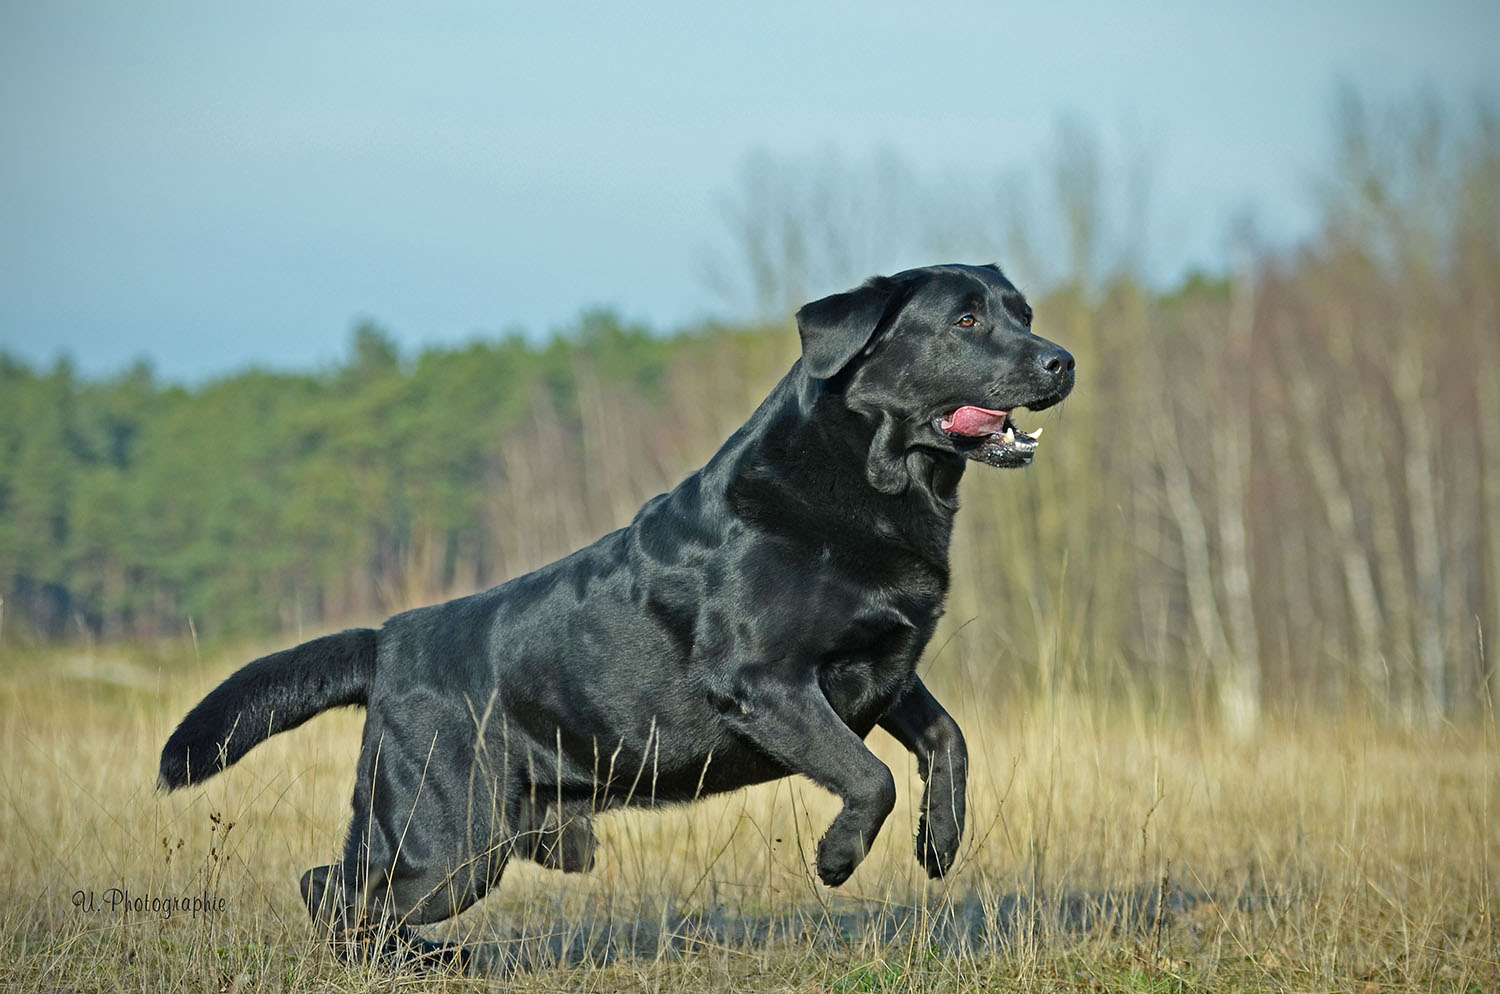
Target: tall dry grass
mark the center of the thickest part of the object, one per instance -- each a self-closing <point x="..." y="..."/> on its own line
<point x="1113" y="847"/>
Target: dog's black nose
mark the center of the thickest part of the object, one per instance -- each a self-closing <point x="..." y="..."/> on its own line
<point x="1056" y="361"/>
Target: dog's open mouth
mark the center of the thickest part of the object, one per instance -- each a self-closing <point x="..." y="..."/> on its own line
<point x="990" y="437"/>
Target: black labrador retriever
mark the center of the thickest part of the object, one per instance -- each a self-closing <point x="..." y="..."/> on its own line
<point x="755" y="622"/>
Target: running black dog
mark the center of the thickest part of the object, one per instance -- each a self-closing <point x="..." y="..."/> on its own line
<point x="756" y="622"/>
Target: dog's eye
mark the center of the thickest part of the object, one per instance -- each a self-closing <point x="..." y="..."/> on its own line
<point x="967" y="321"/>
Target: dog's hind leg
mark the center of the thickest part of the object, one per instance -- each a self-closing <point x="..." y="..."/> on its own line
<point x="425" y="842"/>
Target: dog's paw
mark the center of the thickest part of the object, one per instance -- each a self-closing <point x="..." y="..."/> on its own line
<point x="570" y="846"/>
<point x="323" y="893"/>
<point x="937" y="845"/>
<point x="559" y="839"/>
<point x="941" y="827"/>
<point x="838" y="855"/>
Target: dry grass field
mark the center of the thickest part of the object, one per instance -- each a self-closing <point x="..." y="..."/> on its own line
<point x="1109" y="848"/>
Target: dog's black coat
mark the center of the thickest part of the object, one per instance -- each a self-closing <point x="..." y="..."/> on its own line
<point x="755" y="622"/>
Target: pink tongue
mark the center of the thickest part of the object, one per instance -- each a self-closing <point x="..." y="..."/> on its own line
<point x="975" y="421"/>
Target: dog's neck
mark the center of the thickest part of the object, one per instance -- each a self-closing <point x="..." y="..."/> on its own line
<point x="894" y="462"/>
<point x="848" y="463"/>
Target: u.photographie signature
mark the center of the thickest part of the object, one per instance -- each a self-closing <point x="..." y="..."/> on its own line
<point x="122" y="901"/>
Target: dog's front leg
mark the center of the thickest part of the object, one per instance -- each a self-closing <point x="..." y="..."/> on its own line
<point x="788" y="718"/>
<point x="919" y="722"/>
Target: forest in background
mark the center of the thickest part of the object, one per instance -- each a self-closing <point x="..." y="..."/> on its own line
<point x="1279" y="488"/>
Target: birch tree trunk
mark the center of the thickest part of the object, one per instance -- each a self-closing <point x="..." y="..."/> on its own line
<point x="1239" y="679"/>
<point x="1410" y="380"/>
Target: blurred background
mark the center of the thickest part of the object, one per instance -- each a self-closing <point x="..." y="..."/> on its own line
<point x="311" y="314"/>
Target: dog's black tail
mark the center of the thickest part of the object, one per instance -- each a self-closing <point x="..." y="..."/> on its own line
<point x="270" y="695"/>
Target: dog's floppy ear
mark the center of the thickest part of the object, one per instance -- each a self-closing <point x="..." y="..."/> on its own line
<point x="834" y="329"/>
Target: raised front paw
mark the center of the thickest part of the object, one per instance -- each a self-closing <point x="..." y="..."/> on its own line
<point x="937" y="844"/>
<point x="838" y="854"/>
<point x="941" y="827"/>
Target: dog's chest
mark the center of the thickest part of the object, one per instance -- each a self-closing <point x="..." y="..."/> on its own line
<point x="868" y="666"/>
<point x="865" y="639"/>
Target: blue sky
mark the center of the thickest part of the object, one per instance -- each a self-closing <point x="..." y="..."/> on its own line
<point x="215" y="185"/>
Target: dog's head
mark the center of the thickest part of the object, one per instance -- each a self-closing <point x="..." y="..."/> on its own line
<point x="942" y="356"/>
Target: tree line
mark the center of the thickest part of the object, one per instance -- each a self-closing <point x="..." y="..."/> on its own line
<point x="1276" y="488"/>
<point x="262" y="501"/>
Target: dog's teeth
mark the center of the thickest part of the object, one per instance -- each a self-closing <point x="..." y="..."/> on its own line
<point x="1037" y="433"/>
<point x="1009" y="436"/>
